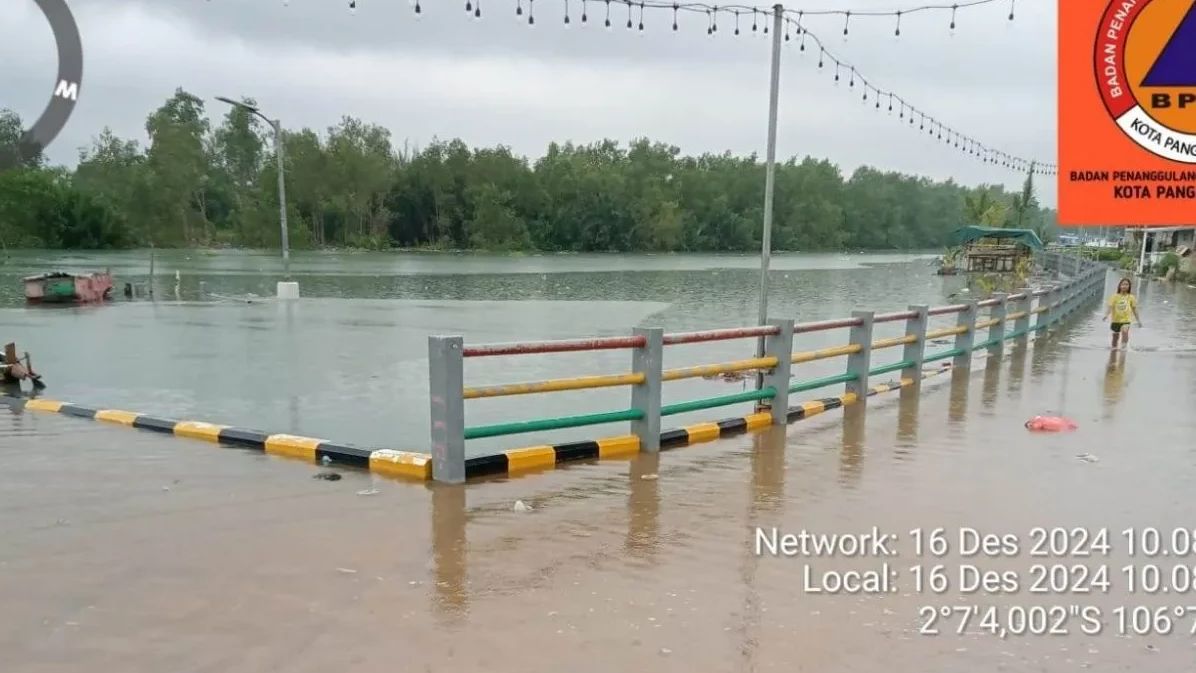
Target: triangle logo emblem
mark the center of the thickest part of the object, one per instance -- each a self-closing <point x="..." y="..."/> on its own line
<point x="1176" y="64"/>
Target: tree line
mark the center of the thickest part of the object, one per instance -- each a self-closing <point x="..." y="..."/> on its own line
<point x="194" y="185"/>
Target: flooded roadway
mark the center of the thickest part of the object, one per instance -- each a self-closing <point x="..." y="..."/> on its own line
<point x="129" y="551"/>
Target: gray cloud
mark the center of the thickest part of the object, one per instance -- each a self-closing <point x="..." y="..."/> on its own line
<point x="498" y="81"/>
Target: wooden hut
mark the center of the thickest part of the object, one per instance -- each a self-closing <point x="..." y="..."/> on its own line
<point x="995" y="250"/>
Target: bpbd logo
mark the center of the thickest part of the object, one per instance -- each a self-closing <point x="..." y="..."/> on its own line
<point x="1145" y="62"/>
<point x="65" y="92"/>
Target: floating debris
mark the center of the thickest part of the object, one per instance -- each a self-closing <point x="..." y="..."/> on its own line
<point x="346" y="571"/>
<point x="327" y="476"/>
<point x="369" y="491"/>
<point x="650" y="477"/>
<point x="520" y="506"/>
<point x="1087" y="457"/>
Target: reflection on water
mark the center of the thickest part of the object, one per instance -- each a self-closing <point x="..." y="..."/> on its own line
<point x="908" y="410"/>
<point x="1114" y="381"/>
<point x="851" y="455"/>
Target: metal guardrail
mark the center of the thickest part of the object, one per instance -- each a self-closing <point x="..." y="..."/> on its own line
<point x="447" y="353"/>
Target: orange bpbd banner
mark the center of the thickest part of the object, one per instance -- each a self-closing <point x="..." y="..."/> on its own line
<point x="1127" y="112"/>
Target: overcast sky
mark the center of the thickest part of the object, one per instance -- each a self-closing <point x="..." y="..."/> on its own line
<point x="497" y="81"/>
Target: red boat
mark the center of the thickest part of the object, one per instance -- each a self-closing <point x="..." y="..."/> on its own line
<point x="67" y="288"/>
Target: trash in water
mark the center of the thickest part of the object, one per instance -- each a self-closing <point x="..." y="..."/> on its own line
<point x="368" y="491"/>
<point x="325" y="460"/>
<point x="327" y="476"/>
<point x="520" y="506"/>
<point x="650" y="477"/>
<point x="347" y="571"/>
<point x="1087" y="457"/>
<point x="1050" y="424"/>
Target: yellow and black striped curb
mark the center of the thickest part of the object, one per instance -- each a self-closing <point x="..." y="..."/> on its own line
<point x="548" y="456"/>
<point x="411" y="465"/>
<point x="386" y="462"/>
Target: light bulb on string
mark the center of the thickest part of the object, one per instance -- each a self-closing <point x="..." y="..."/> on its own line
<point x="836" y="72"/>
<point x="736" y="12"/>
<point x="851" y="84"/>
<point x="714" y="20"/>
<point x="897" y="32"/>
<point x="477" y="9"/>
<point x="419" y="10"/>
<point x="675" y="17"/>
<point x="608" y="15"/>
<point x="766" y="27"/>
<point x="802" y="46"/>
<point x="846" y="24"/>
<point x="954" y="9"/>
<point x="628" y="2"/>
<point x="890" y="102"/>
<point x="821" y="52"/>
<point x="709" y="24"/>
<point x="755" y="26"/>
<point x="469" y="6"/>
<point x="787" y="26"/>
<point x="641" y="17"/>
<point x="352" y="6"/>
<point x="1012" y="4"/>
<point x="531" y="12"/>
<point x="518" y="7"/>
<point x="865" y="93"/>
<point x="922" y="122"/>
<point x="583" y="12"/>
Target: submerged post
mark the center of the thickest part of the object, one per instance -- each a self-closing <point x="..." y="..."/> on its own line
<point x="996" y="331"/>
<point x="915" y="351"/>
<point x="446" y="380"/>
<point x="965" y="339"/>
<point x="779" y="346"/>
<point x="860" y="362"/>
<point x="1022" y="326"/>
<point x="648" y="360"/>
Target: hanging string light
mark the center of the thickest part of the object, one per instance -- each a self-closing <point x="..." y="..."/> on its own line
<point x="965" y="144"/>
<point x="795" y="20"/>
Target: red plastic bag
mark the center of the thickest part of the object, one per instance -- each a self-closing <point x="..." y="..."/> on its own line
<point x="1051" y="424"/>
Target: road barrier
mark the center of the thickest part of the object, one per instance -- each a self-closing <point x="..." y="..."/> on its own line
<point x="1009" y="318"/>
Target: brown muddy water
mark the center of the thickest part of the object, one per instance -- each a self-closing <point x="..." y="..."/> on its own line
<point x="130" y="551"/>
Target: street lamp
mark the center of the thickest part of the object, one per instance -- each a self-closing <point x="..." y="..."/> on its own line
<point x="282" y="189"/>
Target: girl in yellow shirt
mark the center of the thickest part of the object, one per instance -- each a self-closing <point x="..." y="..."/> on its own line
<point x="1122" y="306"/>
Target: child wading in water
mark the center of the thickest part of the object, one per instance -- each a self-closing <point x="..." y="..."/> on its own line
<point x="1122" y="306"/>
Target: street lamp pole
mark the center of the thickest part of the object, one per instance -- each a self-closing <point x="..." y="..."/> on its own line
<point x="770" y="175"/>
<point x="276" y="126"/>
<point x="282" y="200"/>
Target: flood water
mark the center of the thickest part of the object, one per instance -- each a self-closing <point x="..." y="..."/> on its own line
<point x="349" y="361"/>
<point x="131" y="551"/>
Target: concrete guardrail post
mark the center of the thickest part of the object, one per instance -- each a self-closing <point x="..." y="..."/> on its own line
<point x="915" y="352"/>
<point x="1024" y="305"/>
<point x="446" y="378"/>
<point x="649" y="361"/>
<point x="779" y="346"/>
<point x="965" y="339"/>
<point x="996" y="331"/>
<point x="860" y="362"/>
